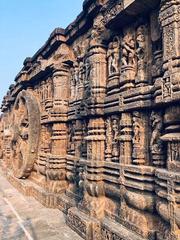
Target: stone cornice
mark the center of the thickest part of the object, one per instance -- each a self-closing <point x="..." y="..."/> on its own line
<point x="112" y="10"/>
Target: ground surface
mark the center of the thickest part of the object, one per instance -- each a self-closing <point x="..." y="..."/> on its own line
<point x="24" y="218"/>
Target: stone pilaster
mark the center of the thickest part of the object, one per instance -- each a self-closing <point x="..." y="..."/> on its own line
<point x="97" y="78"/>
<point x="170" y="23"/>
<point x="61" y="89"/>
<point x="126" y="139"/>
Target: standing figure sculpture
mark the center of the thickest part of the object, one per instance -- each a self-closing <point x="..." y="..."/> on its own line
<point x="108" y="151"/>
<point x="128" y="51"/>
<point x="113" y="57"/>
<point x="141" y="53"/>
<point x="128" y="62"/>
<point x="115" y="132"/>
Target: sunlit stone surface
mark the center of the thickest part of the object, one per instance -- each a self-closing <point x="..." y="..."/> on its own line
<point x="92" y="124"/>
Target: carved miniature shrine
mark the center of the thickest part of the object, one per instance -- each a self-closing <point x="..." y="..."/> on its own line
<point x="92" y="124"/>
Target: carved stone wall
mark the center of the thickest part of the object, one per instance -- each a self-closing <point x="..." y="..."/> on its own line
<point x="92" y="124"/>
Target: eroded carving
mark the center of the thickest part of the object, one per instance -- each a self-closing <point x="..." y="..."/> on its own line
<point x="93" y="121"/>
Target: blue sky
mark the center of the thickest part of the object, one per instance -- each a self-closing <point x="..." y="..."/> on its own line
<point x="24" y="28"/>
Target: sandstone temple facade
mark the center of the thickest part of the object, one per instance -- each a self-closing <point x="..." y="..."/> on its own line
<point x="92" y="124"/>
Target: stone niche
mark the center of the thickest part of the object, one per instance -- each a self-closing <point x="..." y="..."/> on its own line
<point x="91" y="125"/>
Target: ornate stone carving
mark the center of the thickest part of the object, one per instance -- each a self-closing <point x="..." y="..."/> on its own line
<point x="71" y="143"/>
<point x="141" y="53"/>
<point x="109" y="138"/>
<point x="166" y="86"/>
<point x="25" y="136"/>
<point x="115" y="141"/>
<point x="128" y="59"/>
<point x="138" y="139"/>
<point x="113" y="55"/>
<point x="156" y="144"/>
<point x="93" y="121"/>
<point x="97" y="30"/>
<point x="112" y="11"/>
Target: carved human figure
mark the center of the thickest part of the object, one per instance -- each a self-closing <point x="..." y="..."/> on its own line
<point x="166" y="86"/>
<point x="141" y="53"/>
<point x="115" y="129"/>
<point x="81" y="181"/>
<point x="72" y="84"/>
<point x="75" y="79"/>
<point x="97" y="30"/>
<point x="128" y="50"/>
<point x="137" y="129"/>
<point x="87" y="70"/>
<point x="138" y="139"/>
<point x="157" y="126"/>
<point x="140" y="43"/>
<point x="110" y="58"/>
<point x="83" y="147"/>
<point x="109" y="138"/>
<point x="113" y="57"/>
<point x="115" y="133"/>
<point x="49" y="88"/>
<point x="175" y="151"/>
<point x="81" y="73"/>
<point x="108" y="131"/>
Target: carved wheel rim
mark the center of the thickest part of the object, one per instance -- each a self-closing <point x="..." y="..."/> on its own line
<point x="26" y="130"/>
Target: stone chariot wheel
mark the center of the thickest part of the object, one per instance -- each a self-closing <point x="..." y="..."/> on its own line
<point x="25" y="134"/>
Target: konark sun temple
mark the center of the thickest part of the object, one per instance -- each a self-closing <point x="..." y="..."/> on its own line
<point x="91" y="125"/>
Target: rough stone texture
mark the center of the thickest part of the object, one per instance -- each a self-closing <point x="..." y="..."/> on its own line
<point x="92" y="124"/>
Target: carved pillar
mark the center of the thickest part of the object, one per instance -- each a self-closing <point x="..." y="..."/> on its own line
<point x="60" y="106"/>
<point x="172" y="137"/>
<point x="156" y="38"/>
<point x="45" y="139"/>
<point x="95" y="140"/>
<point x="139" y="140"/>
<point x="94" y="189"/>
<point x="170" y="22"/>
<point x="128" y="61"/>
<point x="61" y="89"/>
<point x="56" y="160"/>
<point x="78" y="137"/>
<point x="59" y="139"/>
<point x="97" y="76"/>
<point x="126" y="138"/>
<point x="156" y="144"/>
<point x="82" y="71"/>
<point x="142" y="53"/>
